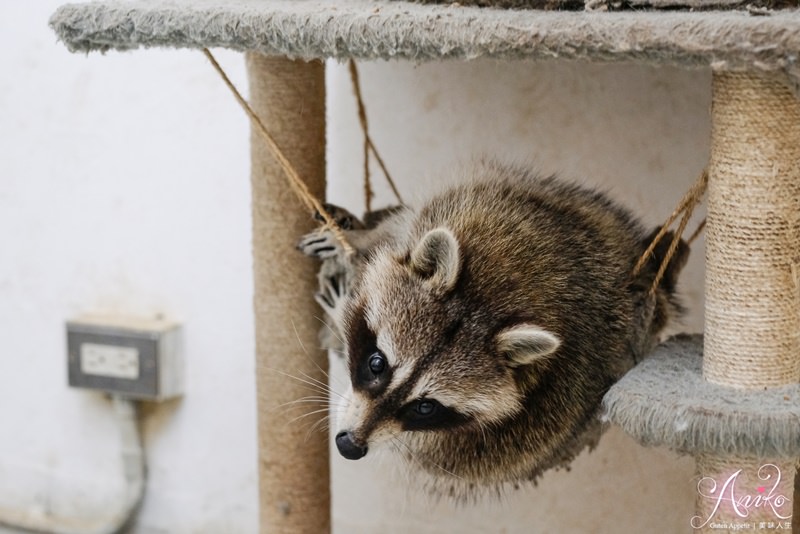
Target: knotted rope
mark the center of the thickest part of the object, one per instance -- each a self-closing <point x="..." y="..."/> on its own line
<point x="295" y="181"/>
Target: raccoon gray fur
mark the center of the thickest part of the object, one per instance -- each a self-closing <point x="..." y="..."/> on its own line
<point x="482" y="330"/>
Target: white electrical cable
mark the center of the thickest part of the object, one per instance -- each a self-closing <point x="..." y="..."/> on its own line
<point x="133" y="462"/>
<point x="134" y="469"/>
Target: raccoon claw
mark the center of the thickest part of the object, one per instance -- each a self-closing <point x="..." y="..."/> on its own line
<point x="321" y="245"/>
<point x="326" y="297"/>
<point x="324" y="302"/>
<point x="331" y="295"/>
<point x="333" y="288"/>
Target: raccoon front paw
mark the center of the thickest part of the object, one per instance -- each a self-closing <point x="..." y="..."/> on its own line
<point x="333" y="290"/>
<point x="320" y="244"/>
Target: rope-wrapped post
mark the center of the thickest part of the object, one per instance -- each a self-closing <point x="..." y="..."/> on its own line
<point x="294" y="478"/>
<point x="752" y="309"/>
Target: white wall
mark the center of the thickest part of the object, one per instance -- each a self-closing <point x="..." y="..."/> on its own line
<point x="124" y="188"/>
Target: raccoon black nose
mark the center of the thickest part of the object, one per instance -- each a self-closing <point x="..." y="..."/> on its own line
<point x="348" y="448"/>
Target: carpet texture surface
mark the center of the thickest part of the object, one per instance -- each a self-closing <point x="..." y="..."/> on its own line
<point x="665" y="401"/>
<point x="384" y="29"/>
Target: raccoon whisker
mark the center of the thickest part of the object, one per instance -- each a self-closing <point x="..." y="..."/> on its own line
<point x="302" y="424"/>
<point x="300" y="341"/>
<point x="400" y="447"/>
<point x="297" y="335"/>
<point x="306" y="400"/>
<point x="308" y="414"/>
<point x="322" y="398"/>
<point x="406" y="473"/>
<point x="316" y="388"/>
<point x="315" y="380"/>
<point x="329" y="327"/>
<point x="288" y="375"/>
<point x="339" y="352"/>
<point x="315" y="385"/>
<point x="312" y="381"/>
<point x="322" y="425"/>
<point x="324" y="428"/>
<point x="331" y="410"/>
<point x="414" y="457"/>
<point x="292" y="407"/>
<point x="322" y="384"/>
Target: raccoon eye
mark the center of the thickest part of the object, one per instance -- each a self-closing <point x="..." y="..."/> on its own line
<point x="425" y="407"/>
<point x="429" y="414"/>
<point x="377" y="363"/>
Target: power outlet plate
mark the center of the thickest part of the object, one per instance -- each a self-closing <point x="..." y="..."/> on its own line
<point x="137" y="358"/>
<point x="109" y="360"/>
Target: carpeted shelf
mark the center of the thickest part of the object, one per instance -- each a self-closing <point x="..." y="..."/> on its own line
<point x="381" y="29"/>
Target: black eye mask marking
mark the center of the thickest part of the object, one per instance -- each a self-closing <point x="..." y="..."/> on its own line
<point x="372" y="372"/>
<point x="369" y="369"/>
<point x="429" y="414"/>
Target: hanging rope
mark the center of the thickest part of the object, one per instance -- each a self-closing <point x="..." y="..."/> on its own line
<point x="686" y="207"/>
<point x="295" y="181"/>
<point x="362" y="118"/>
<point x="369" y="146"/>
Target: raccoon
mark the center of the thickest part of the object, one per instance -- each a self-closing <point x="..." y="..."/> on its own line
<point x="482" y="330"/>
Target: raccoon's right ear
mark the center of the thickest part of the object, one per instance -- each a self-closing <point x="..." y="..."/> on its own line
<point x="526" y="343"/>
<point x="437" y="258"/>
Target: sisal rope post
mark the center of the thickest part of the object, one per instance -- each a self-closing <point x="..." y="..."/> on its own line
<point x="294" y="475"/>
<point x="752" y="310"/>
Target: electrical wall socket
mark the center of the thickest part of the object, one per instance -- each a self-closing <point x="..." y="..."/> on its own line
<point x="110" y="361"/>
<point x="133" y="357"/>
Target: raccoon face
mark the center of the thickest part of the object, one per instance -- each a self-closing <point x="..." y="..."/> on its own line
<point x="420" y="361"/>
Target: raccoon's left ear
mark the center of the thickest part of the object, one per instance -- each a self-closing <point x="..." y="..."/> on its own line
<point x="526" y="343"/>
<point x="437" y="258"/>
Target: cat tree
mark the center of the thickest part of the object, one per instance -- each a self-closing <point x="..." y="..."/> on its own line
<point x="737" y="407"/>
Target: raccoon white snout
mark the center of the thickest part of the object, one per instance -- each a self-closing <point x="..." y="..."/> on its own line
<point x="348" y="447"/>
